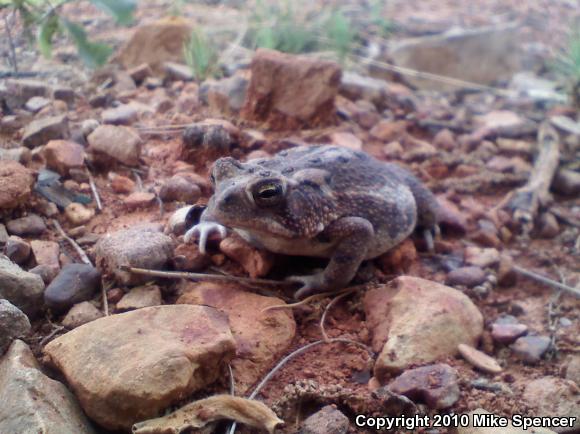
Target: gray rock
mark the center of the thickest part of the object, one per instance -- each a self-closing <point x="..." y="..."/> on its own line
<point x="17" y="250"/>
<point x="328" y="420"/>
<point x="74" y="283"/>
<point x="124" y="114"/>
<point x="466" y="276"/>
<point x="20" y="154"/>
<point x="80" y="314"/>
<point x="36" y="103"/>
<point x="14" y="324"/>
<point x="483" y="55"/>
<point x="3" y="236"/>
<point x="17" y="92"/>
<point x="180" y="189"/>
<point x="21" y="288"/>
<point x="177" y="71"/>
<point x="64" y="93"/>
<point x="142" y="246"/>
<point x="110" y="143"/>
<point x="567" y="182"/>
<point x="39" y="132"/>
<point x="226" y="96"/>
<point x="566" y="124"/>
<point x="531" y="348"/>
<point x="30" y="225"/>
<point x="34" y="403"/>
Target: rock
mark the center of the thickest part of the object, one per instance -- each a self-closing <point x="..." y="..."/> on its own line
<point x="328" y="420"/>
<point x="418" y="321"/>
<point x="257" y="263"/>
<point x="388" y="131"/>
<point x="22" y="289"/>
<point x="46" y="254"/>
<point x="164" y="40"/>
<point x="64" y="93"/>
<point x="16" y="183"/>
<point x="346" y="140"/>
<point x="118" y="143"/>
<point x="39" y="132"/>
<point x="177" y="71"/>
<point x="566" y="124"/>
<point x="510" y="429"/>
<point x="36" y="103"/>
<point x="139" y="297"/>
<point x="17" y="250"/>
<point x="207" y="139"/>
<point x="179" y="188"/>
<point x="62" y="155"/>
<point x="466" y="276"/>
<point x="141" y="246"/>
<point x="435" y="385"/>
<point x="124" y="114"/>
<point x="548" y="225"/>
<point x="30" y="225"/>
<point x="506" y="275"/>
<point x="507" y="333"/>
<point x="225" y="96"/>
<point x="18" y="92"/>
<point x="355" y="87"/>
<point x="177" y="222"/>
<point x="88" y="126"/>
<point x="3" y="236"/>
<point x="483" y="55"/>
<point x="186" y="258"/>
<point x="445" y="140"/>
<point x="33" y="402"/>
<point x="14" y="324"/>
<point x="140" y="73"/>
<point x="75" y="283"/>
<point x="479" y="359"/>
<point x="78" y="214"/>
<point x="501" y="122"/>
<point x="566" y="182"/>
<point x="531" y="348"/>
<point x="290" y="92"/>
<point x="139" y="199"/>
<point x="122" y="184"/>
<point x="20" y="154"/>
<point x="261" y="337"/>
<point x="554" y="397"/>
<point x="129" y="367"/>
<point x="80" y="314"/>
<point x="481" y="257"/>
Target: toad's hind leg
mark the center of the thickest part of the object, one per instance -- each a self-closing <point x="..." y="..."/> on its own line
<point x="351" y="236"/>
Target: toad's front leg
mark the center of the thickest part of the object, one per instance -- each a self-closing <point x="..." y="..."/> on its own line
<point x="351" y="236"/>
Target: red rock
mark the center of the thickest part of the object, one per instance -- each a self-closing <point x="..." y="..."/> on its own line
<point x="256" y="262"/>
<point x="122" y="184"/>
<point x="47" y="253"/>
<point x="140" y="297"/>
<point x="435" y="385"/>
<point x="479" y="359"/>
<point x="188" y="258"/>
<point x="346" y="140"/>
<point x="445" y="140"/>
<point x="507" y="333"/>
<point x="62" y="155"/>
<point x="16" y="183"/>
<point x="261" y="336"/>
<point x="139" y="199"/>
<point x="399" y="259"/>
<point x="290" y="92"/>
<point x="110" y="143"/>
<point x="179" y="188"/>
<point x="388" y="131"/>
<point x="466" y="276"/>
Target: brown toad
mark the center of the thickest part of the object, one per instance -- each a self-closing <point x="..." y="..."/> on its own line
<point x="322" y="201"/>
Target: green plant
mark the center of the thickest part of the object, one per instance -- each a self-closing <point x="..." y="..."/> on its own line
<point x="384" y="26"/>
<point x="568" y="65"/>
<point x="46" y="20"/>
<point x="340" y="34"/>
<point x="200" y="55"/>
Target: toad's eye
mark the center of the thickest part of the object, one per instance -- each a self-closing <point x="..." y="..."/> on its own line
<point x="267" y="193"/>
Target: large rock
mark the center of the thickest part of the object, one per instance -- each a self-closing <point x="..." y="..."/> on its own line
<point x="416" y="321"/>
<point x="16" y="183"/>
<point x="21" y="288"/>
<point x="261" y="337"/>
<point x="111" y="143"/>
<point x="482" y="55"/>
<point x="141" y="246"/>
<point x="554" y="397"/>
<point x="13" y="324"/>
<point x="289" y="92"/>
<point x="129" y="367"/>
<point x="29" y="225"/>
<point x="34" y="403"/>
<point x="63" y="155"/>
<point x="39" y="132"/>
<point x="164" y="40"/>
<point x="74" y="284"/>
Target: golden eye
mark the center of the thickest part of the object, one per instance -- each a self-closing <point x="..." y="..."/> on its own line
<point x="268" y="191"/>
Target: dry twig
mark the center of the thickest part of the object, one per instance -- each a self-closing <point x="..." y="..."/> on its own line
<point x="72" y="242"/>
<point x="94" y="190"/>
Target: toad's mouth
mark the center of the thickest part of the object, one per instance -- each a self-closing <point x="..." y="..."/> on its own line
<point x="265" y="228"/>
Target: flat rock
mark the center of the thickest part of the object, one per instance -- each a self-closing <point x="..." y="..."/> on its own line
<point x="507" y="333"/>
<point x="510" y="429"/>
<point x="30" y="225"/>
<point x="416" y="321"/>
<point x="46" y="253"/>
<point x="554" y="397"/>
<point x="482" y="257"/>
<point x="142" y="246"/>
<point x="288" y="91"/>
<point x="327" y="420"/>
<point x="39" y="132"/>
<point x="129" y="367"/>
<point x="14" y="324"/>
<point x="17" y="250"/>
<point x="256" y="262"/>
<point x="62" y="156"/>
<point x="261" y="337"/>
<point x="346" y="140"/>
<point x="115" y="143"/>
<point x="36" y="103"/>
<point x="124" y="114"/>
<point x="139" y="199"/>
<point x="179" y="188"/>
<point x="479" y="359"/>
<point x="139" y="297"/>
<point x="466" y="276"/>
<point x="80" y="314"/>
<point x="16" y="183"/>
<point x="74" y="283"/>
<point x="21" y="288"/>
<point x="33" y="402"/>
<point x="483" y="55"/>
<point x="177" y="71"/>
<point x="435" y="385"/>
<point x="531" y="348"/>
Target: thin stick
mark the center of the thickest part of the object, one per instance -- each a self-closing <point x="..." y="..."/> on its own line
<point x="11" y="43"/>
<point x="94" y="190"/>
<point x="232" y="380"/>
<point x="72" y="242"/>
<point x="292" y="355"/>
<point x="138" y="179"/>
<point x="327" y="309"/>
<point x="547" y="281"/>
<point x="202" y="276"/>
<point x="51" y="335"/>
<point x="314" y="297"/>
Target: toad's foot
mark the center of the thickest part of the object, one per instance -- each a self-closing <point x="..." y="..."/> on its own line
<point x="203" y="230"/>
<point x="311" y="284"/>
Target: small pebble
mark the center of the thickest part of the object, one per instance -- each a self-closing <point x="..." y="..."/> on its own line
<point x="530" y="349"/>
